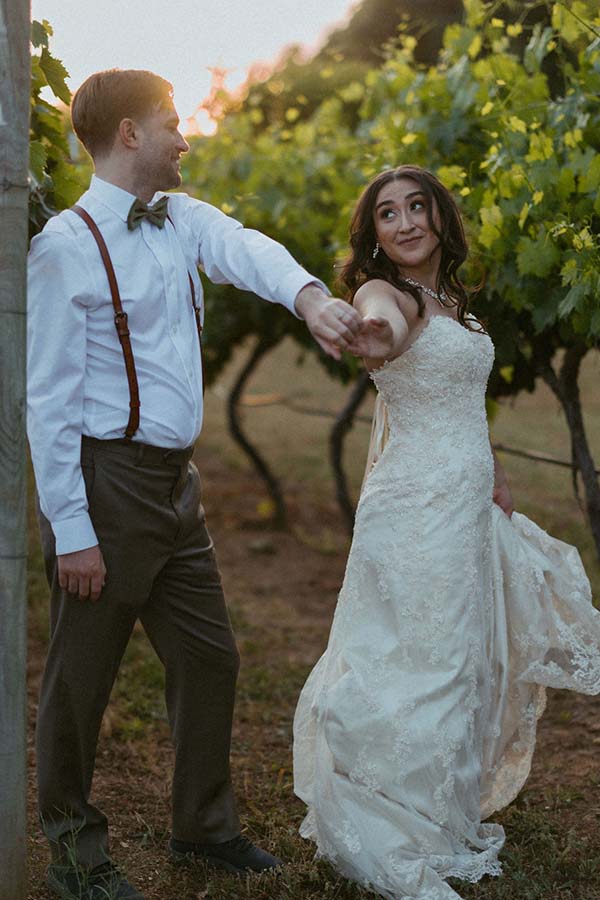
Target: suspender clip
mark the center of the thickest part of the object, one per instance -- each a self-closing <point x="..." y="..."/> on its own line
<point x="121" y="324"/>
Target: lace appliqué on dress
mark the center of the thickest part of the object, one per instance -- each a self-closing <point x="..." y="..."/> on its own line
<point x="419" y="720"/>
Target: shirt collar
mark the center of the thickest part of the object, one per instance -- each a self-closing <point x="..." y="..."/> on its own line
<point x="115" y="198"/>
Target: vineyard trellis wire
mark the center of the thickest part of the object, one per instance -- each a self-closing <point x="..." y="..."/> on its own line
<point x="344" y="420"/>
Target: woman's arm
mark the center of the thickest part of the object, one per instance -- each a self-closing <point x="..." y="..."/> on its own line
<point x="384" y="330"/>
<point x="501" y="495"/>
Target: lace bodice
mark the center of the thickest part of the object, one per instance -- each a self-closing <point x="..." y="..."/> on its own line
<point x="436" y="388"/>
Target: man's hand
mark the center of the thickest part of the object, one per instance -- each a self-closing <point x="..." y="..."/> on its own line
<point x="375" y="340"/>
<point x="82" y="573"/>
<point x="333" y="323"/>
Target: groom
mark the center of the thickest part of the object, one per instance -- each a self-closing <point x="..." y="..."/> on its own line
<point x="115" y="407"/>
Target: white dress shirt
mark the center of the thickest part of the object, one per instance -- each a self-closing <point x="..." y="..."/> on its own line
<point x="77" y="384"/>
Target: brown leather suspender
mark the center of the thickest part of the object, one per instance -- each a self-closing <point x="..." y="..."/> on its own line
<point x="198" y="323"/>
<point x="121" y="323"/>
<point x="196" y="312"/>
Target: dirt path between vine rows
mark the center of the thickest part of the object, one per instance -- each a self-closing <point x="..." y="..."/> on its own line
<point x="282" y="589"/>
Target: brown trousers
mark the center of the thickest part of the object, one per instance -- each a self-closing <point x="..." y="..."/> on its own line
<point x="145" y="506"/>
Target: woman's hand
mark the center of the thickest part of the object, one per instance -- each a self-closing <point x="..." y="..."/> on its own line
<point x="375" y="340"/>
<point x="503" y="497"/>
<point x="383" y="329"/>
<point x="501" y="494"/>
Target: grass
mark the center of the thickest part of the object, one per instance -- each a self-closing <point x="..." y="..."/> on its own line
<point x="281" y="591"/>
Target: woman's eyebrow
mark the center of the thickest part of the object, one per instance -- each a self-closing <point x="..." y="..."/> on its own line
<point x="406" y="197"/>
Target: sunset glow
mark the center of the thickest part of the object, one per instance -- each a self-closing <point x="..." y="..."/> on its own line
<point x="186" y="41"/>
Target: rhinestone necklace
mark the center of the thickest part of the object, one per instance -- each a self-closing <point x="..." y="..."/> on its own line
<point x="442" y="297"/>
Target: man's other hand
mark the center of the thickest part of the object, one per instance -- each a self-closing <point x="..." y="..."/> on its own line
<point x="82" y="573"/>
<point x="333" y="323"/>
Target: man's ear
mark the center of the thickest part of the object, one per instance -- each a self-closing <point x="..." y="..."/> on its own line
<point x="128" y="133"/>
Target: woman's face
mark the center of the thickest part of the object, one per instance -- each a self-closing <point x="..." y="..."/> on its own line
<point x="402" y="227"/>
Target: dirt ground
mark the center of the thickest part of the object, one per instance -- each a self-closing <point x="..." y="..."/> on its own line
<point x="282" y="588"/>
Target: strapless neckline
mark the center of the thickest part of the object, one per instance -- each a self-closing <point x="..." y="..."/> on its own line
<point x="389" y="363"/>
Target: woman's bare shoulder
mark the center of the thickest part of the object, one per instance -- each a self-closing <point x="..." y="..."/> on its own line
<point x="377" y="288"/>
<point x="374" y="287"/>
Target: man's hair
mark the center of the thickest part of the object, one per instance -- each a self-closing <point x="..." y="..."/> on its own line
<point x="105" y="98"/>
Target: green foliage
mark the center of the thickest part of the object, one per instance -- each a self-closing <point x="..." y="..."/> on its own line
<point x="298" y="86"/>
<point x="508" y="118"/>
<point x="286" y="178"/>
<point x="375" y="23"/>
<point x="55" y="182"/>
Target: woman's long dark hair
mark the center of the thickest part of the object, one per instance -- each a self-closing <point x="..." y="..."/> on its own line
<point x="360" y="266"/>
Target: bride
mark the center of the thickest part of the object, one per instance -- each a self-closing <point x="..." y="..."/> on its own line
<point x="455" y="614"/>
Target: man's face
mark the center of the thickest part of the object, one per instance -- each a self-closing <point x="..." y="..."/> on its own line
<point x="160" y="144"/>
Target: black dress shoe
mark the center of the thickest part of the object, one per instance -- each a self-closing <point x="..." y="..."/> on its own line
<point x="238" y="855"/>
<point x="105" y="882"/>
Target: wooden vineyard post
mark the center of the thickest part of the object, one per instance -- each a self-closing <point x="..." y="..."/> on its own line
<point x="14" y="164"/>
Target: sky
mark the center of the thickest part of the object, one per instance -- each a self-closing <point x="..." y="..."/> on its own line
<point x="183" y="39"/>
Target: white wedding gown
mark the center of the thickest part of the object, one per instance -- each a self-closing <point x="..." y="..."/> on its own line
<point x="419" y="720"/>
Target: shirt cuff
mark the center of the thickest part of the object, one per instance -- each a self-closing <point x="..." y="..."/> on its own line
<point x="291" y="286"/>
<point x="74" y="534"/>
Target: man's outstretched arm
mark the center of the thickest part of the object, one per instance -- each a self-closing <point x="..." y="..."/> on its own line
<point x="248" y="259"/>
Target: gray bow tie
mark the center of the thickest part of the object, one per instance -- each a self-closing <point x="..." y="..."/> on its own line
<point x="156" y="214"/>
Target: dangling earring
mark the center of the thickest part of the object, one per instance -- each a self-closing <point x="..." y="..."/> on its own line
<point x="376" y="250"/>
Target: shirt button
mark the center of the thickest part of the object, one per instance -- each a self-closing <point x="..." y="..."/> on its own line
<point x="174" y="329"/>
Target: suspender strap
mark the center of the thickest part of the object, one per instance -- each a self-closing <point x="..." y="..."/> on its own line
<point x="196" y="314"/>
<point x="120" y="324"/>
<point x="196" y="309"/>
<point x="122" y="327"/>
<point x="199" y="328"/>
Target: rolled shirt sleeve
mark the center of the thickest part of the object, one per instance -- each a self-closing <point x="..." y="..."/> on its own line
<point x="248" y="259"/>
<point x="56" y="361"/>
